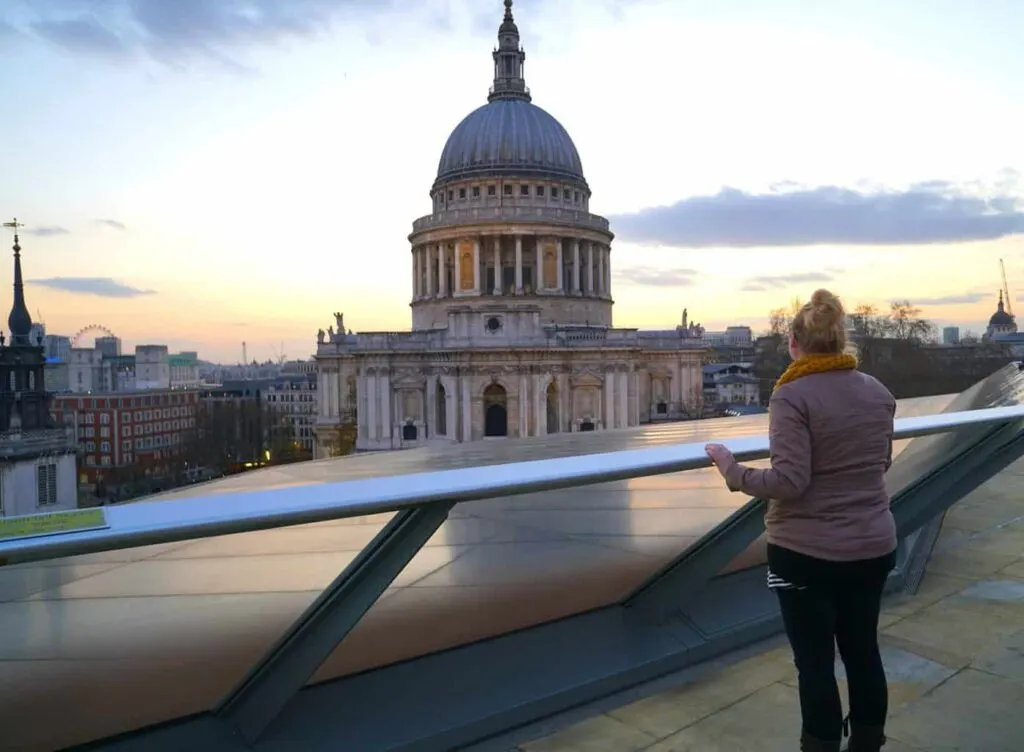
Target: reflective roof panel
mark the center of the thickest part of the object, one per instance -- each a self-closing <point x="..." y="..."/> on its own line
<point x="88" y="634"/>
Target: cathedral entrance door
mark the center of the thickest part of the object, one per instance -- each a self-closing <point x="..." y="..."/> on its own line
<point x="495" y="411"/>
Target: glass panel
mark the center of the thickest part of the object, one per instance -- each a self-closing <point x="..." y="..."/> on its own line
<point x="89" y="634"/>
<point x="520" y="561"/>
<point x="124" y="639"/>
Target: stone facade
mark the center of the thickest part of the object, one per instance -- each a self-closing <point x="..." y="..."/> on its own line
<point x="512" y="330"/>
<point x="499" y="371"/>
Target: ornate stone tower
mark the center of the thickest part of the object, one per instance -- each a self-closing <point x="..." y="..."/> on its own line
<point x="24" y="403"/>
<point x="511" y="225"/>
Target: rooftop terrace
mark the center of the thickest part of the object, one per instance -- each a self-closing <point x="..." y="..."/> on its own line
<point x="514" y="610"/>
<point x="954" y="654"/>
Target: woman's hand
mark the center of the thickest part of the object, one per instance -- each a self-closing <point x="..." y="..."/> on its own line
<point x="721" y="456"/>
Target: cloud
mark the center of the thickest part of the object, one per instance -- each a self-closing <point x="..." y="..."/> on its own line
<point x="112" y="223"/>
<point x="46" y="232"/>
<point x="781" y="281"/>
<point x="962" y="299"/>
<point x="165" y="29"/>
<point x="82" y="35"/>
<point x="926" y="213"/>
<point x="647" y="275"/>
<point x="103" y="287"/>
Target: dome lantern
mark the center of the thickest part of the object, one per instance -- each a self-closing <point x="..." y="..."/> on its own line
<point x="509" y="81"/>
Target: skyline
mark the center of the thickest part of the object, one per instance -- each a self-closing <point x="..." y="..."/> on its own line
<point x="152" y="157"/>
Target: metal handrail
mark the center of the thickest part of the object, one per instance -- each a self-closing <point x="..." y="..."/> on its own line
<point x="142" y="524"/>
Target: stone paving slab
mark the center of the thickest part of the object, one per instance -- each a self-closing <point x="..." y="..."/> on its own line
<point x="954" y="655"/>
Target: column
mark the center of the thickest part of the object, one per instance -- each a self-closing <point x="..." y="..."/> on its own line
<point x="524" y="404"/>
<point x="607" y="252"/>
<point x="431" y="270"/>
<point x="415" y="273"/>
<point x="622" y="410"/>
<point x="442" y="276"/>
<point x="590" y="268"/>
<point x="560" y="283"/>
<point x="519" y="265"/>
<point x="451" y="407"/>
<point x="371" y="405"/>
<point x="430" y="420"/>
<point x="362" y="407"/>
<point x="458" y="271"/>
<point x="466" y="406"/>
<point x="333" y="377"/>
<point x="634" y="396"/>
<point x="497" y="264"/>
<point x="576" y="267"/>
<point x="600" y="270"/>
<point x="540" y="405"/>
<point x="609" y="399"/>
<point x="321" y="386"/>
<point x="384" y="387"/>
<point x="476" y="264"/>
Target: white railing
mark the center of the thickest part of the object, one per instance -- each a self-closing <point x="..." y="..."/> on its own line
<point x="146" y="523"/>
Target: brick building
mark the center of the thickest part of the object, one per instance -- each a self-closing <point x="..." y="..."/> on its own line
<point x="142" y="429"/>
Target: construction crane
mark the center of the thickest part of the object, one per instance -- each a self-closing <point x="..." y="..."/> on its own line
<point x="1006" y="289"/>
<point x="279" y="354"/>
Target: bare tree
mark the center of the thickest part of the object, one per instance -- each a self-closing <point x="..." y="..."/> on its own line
<point x="905" y="323"/>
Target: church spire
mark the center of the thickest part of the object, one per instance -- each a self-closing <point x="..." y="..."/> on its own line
<point x="508" y="62"/>
<point x="19" y="321"/>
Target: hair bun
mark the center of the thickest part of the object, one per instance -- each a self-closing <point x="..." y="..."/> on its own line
<point x="823" y="299"/>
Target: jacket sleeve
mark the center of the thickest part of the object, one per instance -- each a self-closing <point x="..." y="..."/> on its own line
<point x="888" y="457"/>
<point x="790" y="447"/>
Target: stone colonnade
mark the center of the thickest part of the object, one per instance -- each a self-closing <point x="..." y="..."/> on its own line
<point x="553" y="264"/>
<point x="451" y="404"/>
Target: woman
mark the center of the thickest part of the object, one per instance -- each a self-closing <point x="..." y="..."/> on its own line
<point x="831" y="534"/>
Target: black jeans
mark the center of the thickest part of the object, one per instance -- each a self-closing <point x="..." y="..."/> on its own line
<point x="834" y="603"/>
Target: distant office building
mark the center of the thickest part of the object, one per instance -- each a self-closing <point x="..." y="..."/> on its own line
<point x="293" y="399"/>
<point x="109" y="347"/>
<point x="730" y="384"/>
<point x="951" y="335"/>
<point x="184" y="370"/>
<point x="56" y="376"/>
<point x="57" y="346"/>
<point x="298" y="366"/>
<point x="733" y="336"/>
<point x="152" y="367"/>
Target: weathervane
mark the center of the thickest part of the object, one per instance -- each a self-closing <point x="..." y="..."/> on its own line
<point x="14" y="224"/>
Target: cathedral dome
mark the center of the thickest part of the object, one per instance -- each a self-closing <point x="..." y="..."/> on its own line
<point x="1001" y="319"/>
<point x="510" y="135"/>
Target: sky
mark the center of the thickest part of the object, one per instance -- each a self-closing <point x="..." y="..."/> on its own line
<point x="206" y="172"/>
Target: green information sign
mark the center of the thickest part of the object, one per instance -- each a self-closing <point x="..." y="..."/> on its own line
<point x="52" y="523"/>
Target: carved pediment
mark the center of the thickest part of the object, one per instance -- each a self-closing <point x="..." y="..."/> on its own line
<point x="586" y="378"/>
<point x="409" y="381"/>
<point x="660" y="373"/>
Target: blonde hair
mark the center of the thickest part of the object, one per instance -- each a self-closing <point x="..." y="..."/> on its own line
<point x="820" y="325"/>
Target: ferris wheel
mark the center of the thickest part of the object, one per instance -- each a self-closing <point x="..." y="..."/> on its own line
<point x="93" y="331"/>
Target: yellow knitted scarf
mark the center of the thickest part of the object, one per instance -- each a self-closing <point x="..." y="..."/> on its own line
<point x="809" y="364"/>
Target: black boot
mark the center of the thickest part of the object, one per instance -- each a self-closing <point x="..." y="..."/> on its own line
<point x="810" y="744"/>
<point x="866" y="738"/>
